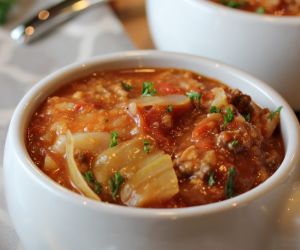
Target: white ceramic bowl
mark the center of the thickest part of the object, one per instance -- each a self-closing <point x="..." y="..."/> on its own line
<point x="50" y="217"/>
<point x="266" y="46"/>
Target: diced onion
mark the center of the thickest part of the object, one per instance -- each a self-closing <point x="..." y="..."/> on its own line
<point x="75" y="175"/>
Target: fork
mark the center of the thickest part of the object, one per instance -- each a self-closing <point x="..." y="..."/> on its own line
<point x="49" y="18"/>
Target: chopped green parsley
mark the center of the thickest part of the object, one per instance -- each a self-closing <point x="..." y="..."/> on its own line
<point x="97" y="187"/>
<point x="214" y="109"/>
<point x="91" y="180"/>
<point x="89" y="176"/>
<point x="274" y="113"/>
<point x="247" y="117"/>
<point x="148" y="89"/>
<point x="229" y="188"/>
<point x="115" y="183"/>
<point x="126" y="86"/>
<point x="228" y="117"/>
<point x="170" y="108"/>
<point x="147" y="146"/>
<point x="211" y="179"/>
<point x="231" y="3"/>
<point x="233" y="144"/>
<point x="114" y="139"/>
<point x="194" y="97"/>
<point x="260" y="10"/>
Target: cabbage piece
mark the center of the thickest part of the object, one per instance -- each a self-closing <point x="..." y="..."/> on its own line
<point x="127" y="156"/>
<point x="149" y="174"/>
<point x="174" y="100"/>
<point x="75" y="175"/>
<point x="95" y="142"/>
<point x="154" y="181"/>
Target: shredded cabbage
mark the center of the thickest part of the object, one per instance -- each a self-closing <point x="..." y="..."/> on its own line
<point x="92" y="141"/>
<point x="75" y="175"/>
<point x="154" y="181"/>
<point x="149" y="174"/>
<point x="125" y="155"/>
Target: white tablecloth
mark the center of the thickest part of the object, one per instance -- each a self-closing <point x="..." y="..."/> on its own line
<point x="95" y="32"/>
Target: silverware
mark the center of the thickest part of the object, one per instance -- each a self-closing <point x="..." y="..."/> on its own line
<point x="47" y="19"/>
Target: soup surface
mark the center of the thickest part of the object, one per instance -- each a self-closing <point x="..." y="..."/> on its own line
<point x="272" y="7"/>
<point x="154" y="138"/>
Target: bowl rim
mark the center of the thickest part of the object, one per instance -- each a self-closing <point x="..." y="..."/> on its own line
<point x="18" y="143"/>
<point x="248" y="15"/>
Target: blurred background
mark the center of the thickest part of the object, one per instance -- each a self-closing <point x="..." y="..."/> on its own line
<point x="133" y="16"/>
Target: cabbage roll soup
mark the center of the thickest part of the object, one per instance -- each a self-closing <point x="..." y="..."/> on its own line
<point x="271" y="7"/>
<point x="158" y="138"/>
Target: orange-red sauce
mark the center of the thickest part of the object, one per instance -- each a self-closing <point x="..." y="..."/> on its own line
<point x="98" y="102"/>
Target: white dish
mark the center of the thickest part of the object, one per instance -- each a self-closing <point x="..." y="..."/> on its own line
<point x="266" y="46"/>
<point x="47" y="216"/>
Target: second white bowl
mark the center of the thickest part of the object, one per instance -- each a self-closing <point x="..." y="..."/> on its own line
<point x="264" y="45"/>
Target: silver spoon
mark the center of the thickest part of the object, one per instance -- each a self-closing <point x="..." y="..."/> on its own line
<point x="50" y="18"/>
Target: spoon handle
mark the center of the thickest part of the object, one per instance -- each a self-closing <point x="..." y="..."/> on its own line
<point x="49" y="18"/>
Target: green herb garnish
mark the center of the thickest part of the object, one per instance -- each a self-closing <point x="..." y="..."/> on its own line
<point x="194" y="96"/>
<point x="148" y="89"/>
<point x="97" y="187"/>
<point x="211" y="179"/>
<point x="147" y="146"/>
<point x="247" y="117"/>
<point x="90" y="179"/>
<point x="115" y="183"/>
<point x="228" y="117"/>
<point x="214" y="109"/>
<point x="5" y="6"/>
<point x="114" y="139"/>
<point x="260" y="10"/>
<point x="169" y="108"/>
<point x="229" y="188"/>
<point x="89" y="176"/>
<point x="126" y="86"/>
<point x="274" y="113"/>
<point x="233" y="4"/>
<point x="233" y="144"/>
